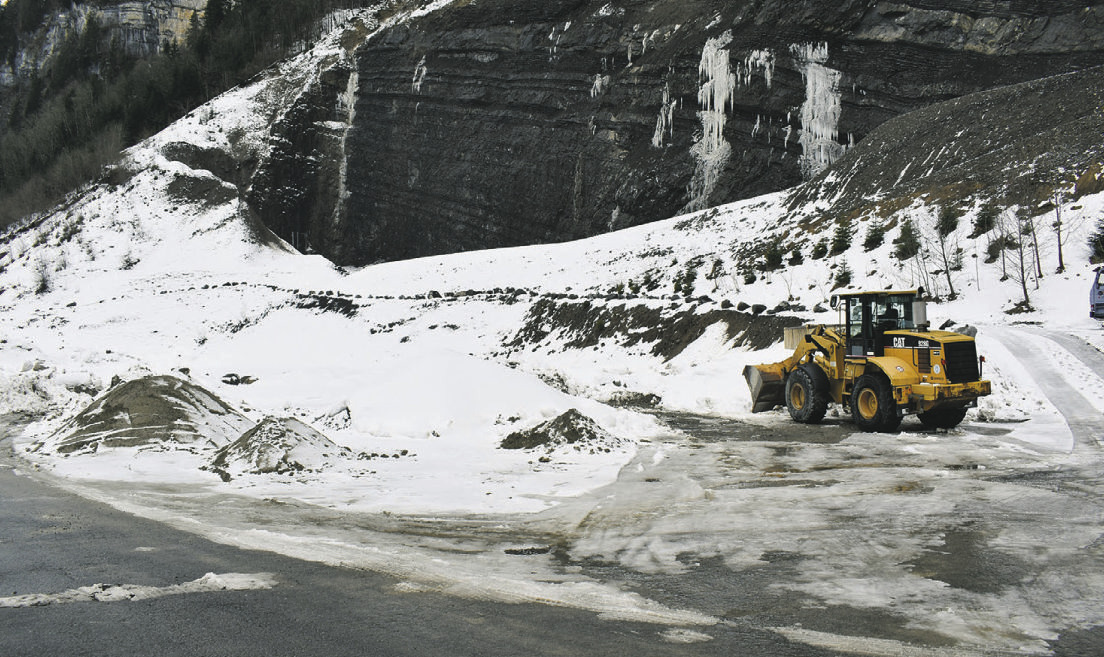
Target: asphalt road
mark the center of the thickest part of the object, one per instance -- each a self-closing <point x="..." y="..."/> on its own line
<point x="53" y="541"/>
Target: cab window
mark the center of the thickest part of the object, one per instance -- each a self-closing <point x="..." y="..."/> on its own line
<point x="893" y="312"/>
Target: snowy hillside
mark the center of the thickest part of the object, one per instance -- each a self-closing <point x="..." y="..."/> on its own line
<point x="156" y="271"/>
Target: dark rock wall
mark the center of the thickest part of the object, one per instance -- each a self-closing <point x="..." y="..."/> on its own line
<point x="1016" y="145"/>
<point x="508" y="122"/>
<point x="296" y="190"/>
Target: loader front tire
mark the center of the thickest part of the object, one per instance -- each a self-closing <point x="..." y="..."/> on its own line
<point x="872" y="405"/>
<point x="807" y="394"/>
<point x="942" y="418"/>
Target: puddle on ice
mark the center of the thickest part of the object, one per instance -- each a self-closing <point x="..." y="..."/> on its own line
<point x="966" y="561"/>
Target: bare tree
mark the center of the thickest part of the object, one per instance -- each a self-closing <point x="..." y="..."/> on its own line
<point x="1005" y="220"/>
<point x="945" y="225"/>
<point x="1021" y="258"/>
<point x="1027" y="229"/>
<point x="1058" y="230"/>
<point x="1064" y="227"/>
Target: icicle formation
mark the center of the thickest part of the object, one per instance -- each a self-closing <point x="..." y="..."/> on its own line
<point x="665" y="122"/>
<point x="718" y="84"/>
<point x="346" y="109"/>
<point x="419" y="76"/>
<point x="601" y="83"/>
<point x="820" y="112"/>
<point x="757" y="61"/>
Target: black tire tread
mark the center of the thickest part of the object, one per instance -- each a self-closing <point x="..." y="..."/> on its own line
<point x="886" y="418"/>
<point x="816" y="384"/>
<point x="942" y="418"/>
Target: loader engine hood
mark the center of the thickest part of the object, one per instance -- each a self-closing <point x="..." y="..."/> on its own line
<point x="952" y="355"/>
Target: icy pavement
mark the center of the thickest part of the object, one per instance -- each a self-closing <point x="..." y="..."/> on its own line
<point x="959" y="541"/>
<point x="1058" y="362"/>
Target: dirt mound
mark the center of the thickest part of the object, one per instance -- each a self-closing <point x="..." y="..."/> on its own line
<point x="150" y="411"/>
<point x="571" y="428"/>
<point x="277" y="445"/>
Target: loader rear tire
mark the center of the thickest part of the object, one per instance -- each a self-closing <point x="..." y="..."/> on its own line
<point x="942" y="418"/>
<point x="872" y="405"/>
<point x="807" y="394"/>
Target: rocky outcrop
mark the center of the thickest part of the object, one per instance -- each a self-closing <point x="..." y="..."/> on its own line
<point x="508" y="122"/>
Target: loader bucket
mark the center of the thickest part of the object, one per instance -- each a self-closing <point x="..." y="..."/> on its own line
<point x="767" y="385"/>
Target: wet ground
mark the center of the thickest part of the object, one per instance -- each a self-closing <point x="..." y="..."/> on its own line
<point x="923" y="538"/>
<point x="917" y="543"/>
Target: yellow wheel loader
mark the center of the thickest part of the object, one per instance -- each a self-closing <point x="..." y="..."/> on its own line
<point x="880" y="362"/>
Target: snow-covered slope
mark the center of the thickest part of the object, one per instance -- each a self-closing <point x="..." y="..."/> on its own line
<point x="160" y="269"/>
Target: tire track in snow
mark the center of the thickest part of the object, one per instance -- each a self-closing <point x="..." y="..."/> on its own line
<point x="1082" y="350"/>
<point x="1085" y="420"/>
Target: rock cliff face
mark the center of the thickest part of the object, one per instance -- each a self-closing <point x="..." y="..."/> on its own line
<point x="1014" y="145"/>
<point x="508" y="122"/>
<point x="139" y="27"/>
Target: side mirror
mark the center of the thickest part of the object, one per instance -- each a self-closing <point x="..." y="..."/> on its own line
<point x="834" y="301"/>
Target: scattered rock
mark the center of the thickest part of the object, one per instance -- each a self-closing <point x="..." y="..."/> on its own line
<point x="585" y="324"/>
<point x="233" y="379"/>
<point x="635" y="399"/>
<point x="528" y="551"/>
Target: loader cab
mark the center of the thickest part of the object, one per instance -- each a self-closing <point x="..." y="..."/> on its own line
<point x="866" y="316"/>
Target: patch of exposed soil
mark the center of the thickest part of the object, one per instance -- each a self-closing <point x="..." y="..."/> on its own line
<point x="584" y="323"/>
<point x="200" y="190"/>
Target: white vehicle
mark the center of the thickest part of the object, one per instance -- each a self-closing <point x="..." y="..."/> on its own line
<point x="1096" y="295"/>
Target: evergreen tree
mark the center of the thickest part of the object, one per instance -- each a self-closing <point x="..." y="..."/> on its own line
<point x="875" y="236"/>
<point x="841" y="238"/>
<point x="985" y="220"/>
<point x="774" y="256"/>
<point x="842" y="277"/>
<point x="1096" y="243"/>
<point x="92" y="99"/>
<point x="907" y="244"/>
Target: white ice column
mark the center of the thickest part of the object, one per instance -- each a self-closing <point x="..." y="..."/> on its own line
<point x="820" y="113"/>
<point x="717" y="84"/>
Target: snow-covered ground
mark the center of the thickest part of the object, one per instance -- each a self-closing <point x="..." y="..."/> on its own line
<point x="414" y="367"/>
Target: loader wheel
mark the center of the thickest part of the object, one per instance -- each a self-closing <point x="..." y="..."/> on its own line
<point x="807" y="394"/>
<point x="872" y="405"/>
<point x="942" y="418"/>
